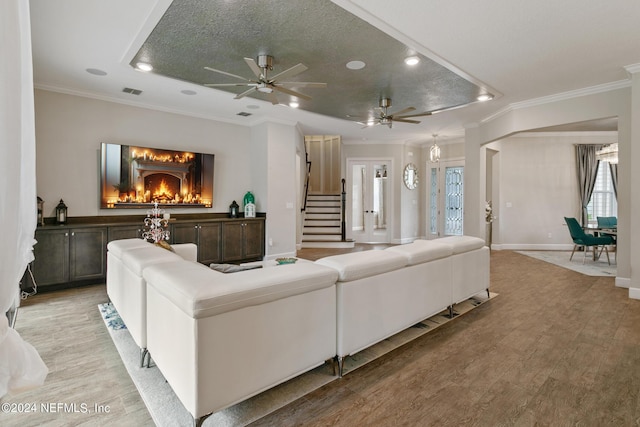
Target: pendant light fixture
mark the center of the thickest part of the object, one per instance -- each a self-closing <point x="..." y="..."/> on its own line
<point x="434" y="151"/>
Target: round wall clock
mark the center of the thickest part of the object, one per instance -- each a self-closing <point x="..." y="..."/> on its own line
<point x="411" y="176"/>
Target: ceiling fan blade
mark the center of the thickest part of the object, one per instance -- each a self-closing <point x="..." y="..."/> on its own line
<point x="426" y="113"/>
<point x="303" y="84"/>
<point x="273" y="98"/>
<point x="296" y="69"/>
<point x="254" y="67"/>
<point x="245" y="93"/>
<point x="227" y="74"/>
<point x="291" y="92"/>
<point x="227" y="84"/>
<point x="401" y="112"/>
<point x="415" y="122"/>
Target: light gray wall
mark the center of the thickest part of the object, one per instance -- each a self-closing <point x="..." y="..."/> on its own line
<point x="538" y="188"/>
<point x="596" y="103"/>
<point x="69" y="130"/>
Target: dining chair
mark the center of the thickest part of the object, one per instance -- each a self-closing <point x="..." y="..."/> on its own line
<point x="582" y="238"/>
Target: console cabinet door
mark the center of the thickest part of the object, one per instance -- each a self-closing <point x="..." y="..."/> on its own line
<point x="51" y="264"/>
<point x="209" y="238"/>
<point x="243" y="240"/>
<point x="205" y="235"/>
<point x="185" y="233"/>
<point x="253" y="240"/>
<point x="232" y="242"/>
<point x="87" y="253"/>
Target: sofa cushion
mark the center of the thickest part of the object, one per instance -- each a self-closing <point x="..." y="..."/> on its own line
<point x="201" y="292"/>
<point x="138" y="259"/>
<point x="118" y="247"/>
<point x="358" y="265"/>
<point x="462" y="243"/>
<point x="422" y="251"/>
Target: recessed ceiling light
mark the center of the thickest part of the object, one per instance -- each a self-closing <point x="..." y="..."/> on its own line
<point x="143" y="66"/>
<point x="188" y="92"/>
<point x="355" y="65"/>
<point x="96" y="72"/>
<point x="294" y="104"/>
<point x="253" y="107"/>
<point x="484" y="97"/>
<point x="411" y="60"/>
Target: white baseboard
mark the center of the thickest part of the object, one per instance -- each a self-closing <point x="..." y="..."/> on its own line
<point x="623" y="282"/>
<point x="634" y="293"/>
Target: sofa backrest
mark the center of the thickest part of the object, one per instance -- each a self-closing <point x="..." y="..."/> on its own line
<point x="358" y="265"/>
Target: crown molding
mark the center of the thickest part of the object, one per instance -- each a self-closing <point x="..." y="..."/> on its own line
<point x="130" y="103"/>
<point x="607" y="87"/>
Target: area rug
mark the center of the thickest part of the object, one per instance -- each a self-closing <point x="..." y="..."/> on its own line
<point x="599" y="267"/>
<point x="165" y="407"/>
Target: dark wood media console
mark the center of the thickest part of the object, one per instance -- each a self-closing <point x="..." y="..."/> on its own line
<point x="75" y="254"/>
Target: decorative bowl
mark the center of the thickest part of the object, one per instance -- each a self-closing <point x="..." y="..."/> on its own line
<point x="286" y="260"/>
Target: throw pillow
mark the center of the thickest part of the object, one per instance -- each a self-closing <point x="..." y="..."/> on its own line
<point x="232" y="268"/>
<point x="164" y="245"/>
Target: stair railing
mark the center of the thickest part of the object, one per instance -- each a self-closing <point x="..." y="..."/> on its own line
<point x="306" y="182"/>
<point x="343" y="212"/>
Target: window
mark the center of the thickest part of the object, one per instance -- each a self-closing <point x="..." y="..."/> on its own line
<point x="603" y="200"/>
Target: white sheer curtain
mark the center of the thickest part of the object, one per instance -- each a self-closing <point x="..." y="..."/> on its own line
<point x="20" y="365"/>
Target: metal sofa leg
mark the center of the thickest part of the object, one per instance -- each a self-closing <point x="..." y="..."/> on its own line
<point x="197" y="422"/>
<point x="144" y="355"/>
<point x="340" y="361"/>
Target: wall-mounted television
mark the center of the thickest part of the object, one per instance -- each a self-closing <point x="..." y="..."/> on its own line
<point x="137" y="177"/>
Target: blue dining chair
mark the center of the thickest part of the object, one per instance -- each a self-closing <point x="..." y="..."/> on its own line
<point x="581" y="238"/>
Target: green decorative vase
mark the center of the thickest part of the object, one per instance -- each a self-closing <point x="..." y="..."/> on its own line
<point x="248" y="198"/>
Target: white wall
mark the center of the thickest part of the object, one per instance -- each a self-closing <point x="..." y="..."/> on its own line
<point x="538" y="188"/>
<point x="69" y="130"/>
<point x="615" y="100"/>
<point x="275" y="150"/>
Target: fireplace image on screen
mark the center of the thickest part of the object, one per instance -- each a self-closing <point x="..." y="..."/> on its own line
<point x="135" y="176"/>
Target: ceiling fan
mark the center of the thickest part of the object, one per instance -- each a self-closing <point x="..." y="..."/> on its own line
<point x="384" y="118"/>
<point x="265" y="84"/>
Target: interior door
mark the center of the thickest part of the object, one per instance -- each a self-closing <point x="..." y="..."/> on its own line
<point x="445" y="207"/>
<point x="369" y="208"/>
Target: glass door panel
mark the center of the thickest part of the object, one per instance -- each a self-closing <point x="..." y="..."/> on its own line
<point x="454" y="198"/>
<point x="370" y="198"/>
<point x="445" y="198"/>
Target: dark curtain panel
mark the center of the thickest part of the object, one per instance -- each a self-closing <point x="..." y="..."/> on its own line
<point x="587" y="170"/>
<point x="613" y="168"/>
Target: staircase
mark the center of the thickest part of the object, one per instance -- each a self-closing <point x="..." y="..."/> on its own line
<point x="322" y="223"/>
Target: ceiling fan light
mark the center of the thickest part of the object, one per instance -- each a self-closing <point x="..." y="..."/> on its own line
<point x="264" y="89"/>
<point x="294" y="104"/>
<point x="412" y="60"/>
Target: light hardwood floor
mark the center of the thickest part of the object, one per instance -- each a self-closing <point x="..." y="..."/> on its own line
<point x="554" y="348"/>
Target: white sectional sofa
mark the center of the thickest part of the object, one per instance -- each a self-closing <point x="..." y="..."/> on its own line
<point x="219" y="338"/>
<point x="126" y="287"/>
<point x="380" y="293"/>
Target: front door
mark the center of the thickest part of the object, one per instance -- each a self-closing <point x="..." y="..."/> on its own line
<point x="445" y="186"/>
<point x="369" y="201"/>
